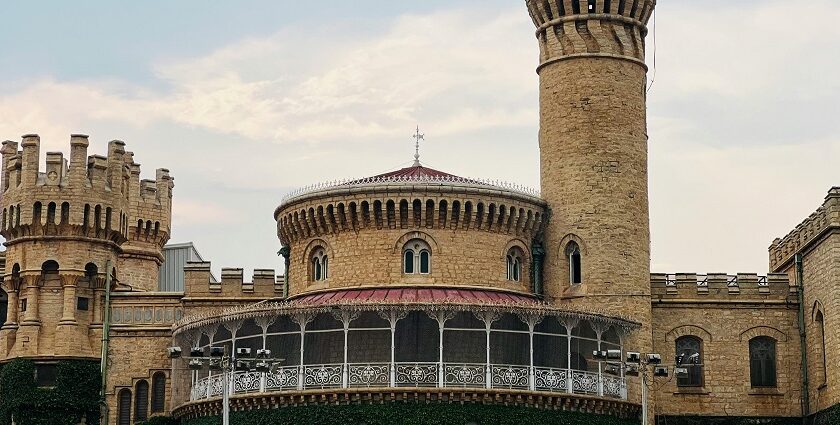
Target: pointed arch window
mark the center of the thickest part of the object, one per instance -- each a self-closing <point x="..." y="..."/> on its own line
<point x="320" y="265"/>
<point x="514" y="265"/>
<point x="763" y="362"/>
<point x="417" y="257"/>
<point x="575" y="263"/>
<point x="820" y="319"/>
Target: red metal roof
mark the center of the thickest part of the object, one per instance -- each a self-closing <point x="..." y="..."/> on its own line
<point x="416" y="171"/>
<point x="414" y="296"/>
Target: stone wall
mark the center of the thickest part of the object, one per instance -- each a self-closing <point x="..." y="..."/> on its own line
<point x="726" y="312"/>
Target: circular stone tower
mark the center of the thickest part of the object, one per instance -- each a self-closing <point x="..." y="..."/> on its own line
<point x="63" y="226"/>
<point x="593" y="153"/>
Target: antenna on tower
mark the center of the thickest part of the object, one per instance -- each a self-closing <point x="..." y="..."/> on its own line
<point x="417" y="136"/>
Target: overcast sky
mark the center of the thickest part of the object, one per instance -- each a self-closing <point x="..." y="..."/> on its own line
<point x="247" y="100"/>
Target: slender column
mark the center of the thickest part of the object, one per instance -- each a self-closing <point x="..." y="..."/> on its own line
<point x="233" y="327"/>
<point x="345" y="378"/>
<point x="440" y="354"/>
<point x="98" y="284"/>
<point x="488" y="374"/>
<point x="393" y="350"/>
<point x="264" y="376"/>
<point x="31" y="316"/>
<point x="570" y="377"/>
<point x="68" y="310"/>
<point x="12" y="308"/>
<point x="532" y="376"/>
<point x="300" y="365"/>
<point x="600" y="366"/>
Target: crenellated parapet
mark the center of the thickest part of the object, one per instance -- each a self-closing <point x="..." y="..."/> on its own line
<point x="200" y="283"/>
<point x="87" y="197"/>
<point x="693" y="287"/>
<point x="825" y="219"/>
<point x="591" y="28"/>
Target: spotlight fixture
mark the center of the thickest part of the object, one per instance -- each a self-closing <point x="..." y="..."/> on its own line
<point x="680" y="359"/>
<point x="613" y="370"/>
<point x="243" y="352"/>
<point x="635" y="358"/>
<point x="217" y="351"/>
<point x="681" y="371"/>
<point x="632" y="370"/>
<point x="661" y="372"/>
<point x="196" y="364"/>
<point x="174" y="352"/>
<point x="263" y="353"/>
<point x="599" y="355"/>
<point x="263" y="367"/>
<point x="243" y="366"/>
<point x="196" y="352"/>
<point x="216" y="364"/>
<point x="614" y="354"/>
<point x="654" y="359"/>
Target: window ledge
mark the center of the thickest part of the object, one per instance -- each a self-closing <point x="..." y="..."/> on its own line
<point x="692" y="391"/>
<point x="766" y="392"/>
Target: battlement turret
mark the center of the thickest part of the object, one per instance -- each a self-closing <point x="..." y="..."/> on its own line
<point x="80" y="216"/>
<point x="824" y="219"/>
<point x="575" y="28"/>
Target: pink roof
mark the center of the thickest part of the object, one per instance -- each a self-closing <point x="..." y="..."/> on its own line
<point x="414" y="296"/>
<point x="414" y="171"/>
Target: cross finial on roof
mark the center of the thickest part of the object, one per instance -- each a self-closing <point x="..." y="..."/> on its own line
<point x="417" y="136"/>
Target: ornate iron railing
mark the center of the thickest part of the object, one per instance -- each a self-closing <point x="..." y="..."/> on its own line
<point x="415" y="375"/>
<point x="431" y="180"/>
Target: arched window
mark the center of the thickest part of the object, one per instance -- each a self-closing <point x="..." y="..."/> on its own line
<point x="514" y="265"/>
<point x="158" y="392"/>
<point x="320" y="265"/>
<point x="820" y="319"/>
<point x="49" y="267"/>
<point x="417" y="257"/>
<point x="573" y="256"/>
<point x="690" y="356"/>
<point x="141" y="401"/>
<point x="763" y="362"/>
<point x="124" y="407"/>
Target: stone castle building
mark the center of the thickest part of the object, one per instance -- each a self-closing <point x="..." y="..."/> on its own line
<point x="422" y="286"/>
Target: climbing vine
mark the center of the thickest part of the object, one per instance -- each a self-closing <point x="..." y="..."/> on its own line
<point x="75" y="395"/>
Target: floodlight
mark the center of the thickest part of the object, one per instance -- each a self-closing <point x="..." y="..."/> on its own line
<point x="680" y="359"/>
<point x="634" y="358"/>
<point x="599" y="355"/>
<point x="174" y="352"/>
<point x="196" y="364"/>
<point x="243" y="365"/>
<point x="243" y="352"/>
<point x="614" y="354"/>
<point x="197" y="352"/>
<point x="681" y="371"/>
<point x="654" y="359"/>
<point x="263" y="366"/>
<point x="632" y="370"/>
<point x="216" y="364"/>
<point x="661" y="372"/>
<point x="217" y="351"/>
<point x="612" y="370"/>
<point x="263" y="353"/>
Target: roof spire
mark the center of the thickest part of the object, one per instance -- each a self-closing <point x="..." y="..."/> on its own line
<point x="417" y="136"/>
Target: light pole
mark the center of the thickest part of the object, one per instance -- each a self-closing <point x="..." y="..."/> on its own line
<point x="218" y="359"/>
<point x="635" y="364"/>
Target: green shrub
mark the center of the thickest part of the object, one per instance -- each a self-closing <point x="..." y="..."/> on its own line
<point x="75" y="395"/>
<point x="412" y="414"/>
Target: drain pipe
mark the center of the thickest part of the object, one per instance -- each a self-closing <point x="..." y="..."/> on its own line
<point x="106" y="338"/>
<point x="806" y="401"/>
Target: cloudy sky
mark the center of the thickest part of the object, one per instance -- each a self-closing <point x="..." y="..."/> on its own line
<point x="247" y="100"/>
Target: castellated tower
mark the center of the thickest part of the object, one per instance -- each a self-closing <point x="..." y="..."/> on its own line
<point x="62" y="228"/>
<point x="593" y="152"/>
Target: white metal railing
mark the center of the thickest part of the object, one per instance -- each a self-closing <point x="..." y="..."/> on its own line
<point x="415" y="375"/>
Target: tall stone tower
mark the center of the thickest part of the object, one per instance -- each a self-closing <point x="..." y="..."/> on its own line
<point x="62" y="228"/>
<point x="593" y="154"/>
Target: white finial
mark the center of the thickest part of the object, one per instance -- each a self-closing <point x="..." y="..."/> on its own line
<point x="417" y="138"/>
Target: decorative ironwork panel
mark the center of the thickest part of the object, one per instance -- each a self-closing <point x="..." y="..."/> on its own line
<point x="510" y="377"/>
<point x="372" y="375"/>
<point x="324" y="376"/>
<point x="465" y="375"/>
<point x="199" y="391"/>
<point x="614" y="386"/>
<point x="554" y="380"/>
<point x="584" y="382"/>
<point x="216" y="385"/>
<point x="247" y="382"/>
<point x="282" y="378"/>
<point x="417" y="375"/>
